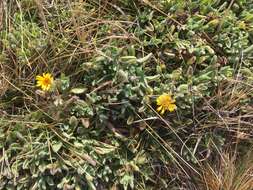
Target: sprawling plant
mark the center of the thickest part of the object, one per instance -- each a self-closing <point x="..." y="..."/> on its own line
<point x="122" y="94"/>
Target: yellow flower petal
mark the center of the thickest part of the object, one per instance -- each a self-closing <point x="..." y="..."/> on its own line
<point x="45" y="81"/>
<point x="165" y="102"/>
<point x="172" y="107"/>
<point x="159" y="108"/>
<point x="39" y="78"/>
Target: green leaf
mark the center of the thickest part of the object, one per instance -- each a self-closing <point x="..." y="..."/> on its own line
<point x="73" y="121"/>
<point x="90" y="182"/>
<point x="57" y="146"/>
<point x="183" y="88"/>
<point x="127" y="180"/>
<point x="144" y="59"/>
<point x="128" y="59"/>
<point x="78" y="90"/>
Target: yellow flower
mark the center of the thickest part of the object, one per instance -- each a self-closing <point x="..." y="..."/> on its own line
<point x="165" y="102"/>
<point x="45" y="81"/>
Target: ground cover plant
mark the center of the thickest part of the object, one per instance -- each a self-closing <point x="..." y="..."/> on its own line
<point x="126" y="94"/>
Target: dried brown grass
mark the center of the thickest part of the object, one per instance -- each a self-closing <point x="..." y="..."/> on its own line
<point x="228" y="174"/>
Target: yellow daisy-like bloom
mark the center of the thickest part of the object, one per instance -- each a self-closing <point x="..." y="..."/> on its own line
<point x="45" y="81"/>
<point x="165" y="102"/>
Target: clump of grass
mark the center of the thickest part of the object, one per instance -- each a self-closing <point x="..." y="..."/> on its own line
<point x="229" y="173"/>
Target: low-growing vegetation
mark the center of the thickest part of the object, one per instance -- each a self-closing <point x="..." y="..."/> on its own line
<point x="126" y="94"/>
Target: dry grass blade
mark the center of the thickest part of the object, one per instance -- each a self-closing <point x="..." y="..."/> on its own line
<point x="228" y="174"/>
